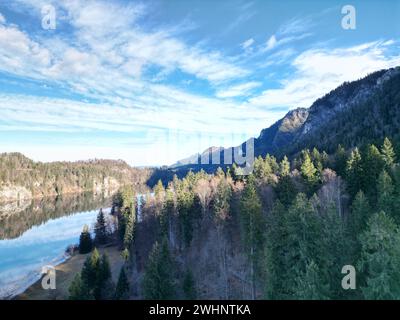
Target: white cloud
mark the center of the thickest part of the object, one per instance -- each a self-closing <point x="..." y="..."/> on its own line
<point x="19" y="54"/>
<point x="243" y="89"/>
<point x="247" y="44"/>
<point x="271" y="43"/>
<point x="319" y="71"/>
<point x="2" y="19"/>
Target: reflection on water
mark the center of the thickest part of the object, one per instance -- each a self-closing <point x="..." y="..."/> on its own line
<point x="18" y="217"/>
<point x="42" y="232"/>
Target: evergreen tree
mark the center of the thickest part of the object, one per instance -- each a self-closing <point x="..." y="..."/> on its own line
<point x="309" y="173"/>
<point x="90" y="269"/>
<point x="285" y="190"/>
<point x="130" y="222"/>
<point x="340" y="160"/>
<point x="103" y="288"/>
<point x="271" y="162"/>
<point x="284" y="167"/>
<point x="221" y="201"/>
<point x="385" y="191"/>
<point x="360" y="212"/>
<point x="122" y="288"/>
<point x="159" y="191"/>
<point x="100" y="229"/>
<point x="189" y="286"/>
<point x="388" y="154"/>
<point x="310" y="285"/>
<point x="158" y="281"/>
<point x="85" y="241"/>
<point x="380" y="259"/>
<point x="275" y="251"/>
<point x="78" y="289"/>
<point x="303" y="244"/>
<point x="252" y="223"/>
<point x="262" y="168"/>
<point x="354" y="173"/>
<point x="372" y="165"/>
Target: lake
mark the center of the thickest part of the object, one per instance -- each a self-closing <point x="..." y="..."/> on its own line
<point x="36" y="233"/>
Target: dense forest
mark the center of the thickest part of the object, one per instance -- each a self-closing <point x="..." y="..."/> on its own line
<point x="21" y="178"/>
<point x="283" y="232"/>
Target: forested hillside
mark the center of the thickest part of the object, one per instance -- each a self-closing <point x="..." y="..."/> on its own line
<point x="354" y="114"/>
<point x="22" y="178"/>
<point x="283" y="232"/>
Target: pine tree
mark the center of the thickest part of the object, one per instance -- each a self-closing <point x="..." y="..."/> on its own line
<point x="284" y="167"/>
<point x="159" y="191"/>
<point x="388" y="154"/>
<point x="90" y="269"/>
<point x="360" y="212"/>
<point x="158" y="281"/>
<point x="103" y="286"/>
<point x="310" y="285"/>
<point x="262" y="168"/>
<point x="285" y="190"/>
<point x="354" y="173"/>
<point x="380" y="259"/>
<point x="274" y="252"/>
<point x="85" y="241"/>
<point x="252" y="223"/>
<point x="372" y="165"/>
<point x="303" y="244"/>
<point x="189" y="286"/>
<point x="130" y="222"/>
<point x="122" y="288"/>
<point x="78" y="289"/>
<point x="221" y="201"/>
<point x="385" y="191"/>
<point x="100" y="229"/>
<point x="340" y="160"/>
<point x="309" y="173"/>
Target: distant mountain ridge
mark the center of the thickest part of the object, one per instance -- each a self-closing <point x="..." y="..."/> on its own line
<point x="21" y="178"/>
<point x="345" y="115"/>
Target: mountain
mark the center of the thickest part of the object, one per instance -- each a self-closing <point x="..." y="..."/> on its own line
<point x="355" y="113"/>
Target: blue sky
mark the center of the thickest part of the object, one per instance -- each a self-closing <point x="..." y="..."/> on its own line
<point x="152" y="82"/>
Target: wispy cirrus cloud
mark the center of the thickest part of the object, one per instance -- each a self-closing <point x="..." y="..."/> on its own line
<point x="318" y="71"/>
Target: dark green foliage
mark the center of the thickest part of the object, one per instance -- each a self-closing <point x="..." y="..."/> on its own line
<point x="340" y="161"/>
<point x="354" y="173"/>
<point x="309" y="284"/>
<point x="122" y="288"/>
<point x="360" y="212"/>
<point x="286" y="190"/>
<point x="85" y="241"/>
<point x="79" y="290"/>
<point x="159" y="278"/>
<point x="100" y="229"/>
<point x="94" y="280"/>
<point x="189" y="286"/>
<point x="129" y="227"/>
<point x="385" y="190"/>
<point x="380" y="259"/>
<point x="372" y="165"/>
<point x="253" y="226"/>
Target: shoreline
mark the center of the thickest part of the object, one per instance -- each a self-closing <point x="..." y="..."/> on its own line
<point x="35" y="279"/>
<point x="65" y="272"/>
